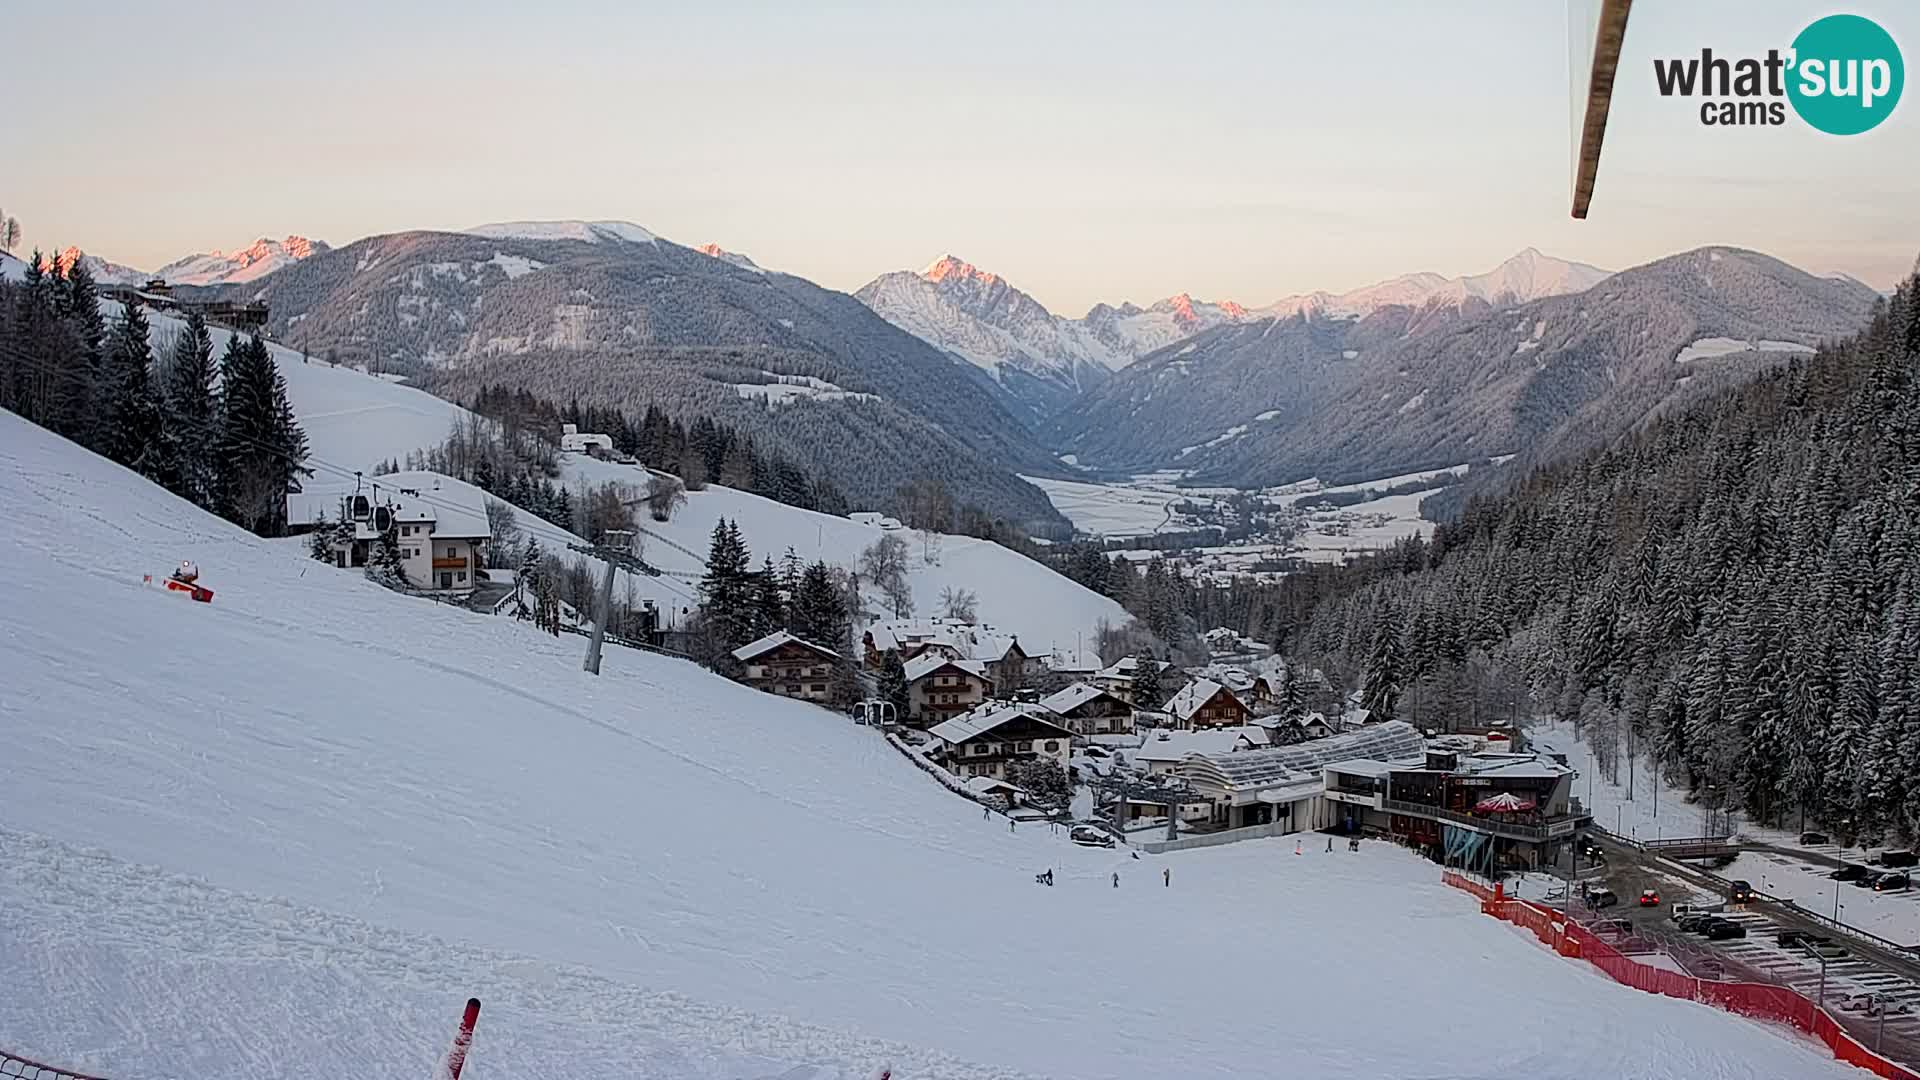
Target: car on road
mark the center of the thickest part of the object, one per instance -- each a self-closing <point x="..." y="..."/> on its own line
<point x="1088" y="835"/>
<point x="1740" y="891"/>
<point x="1891" y="882"/>
<point x="1649" y="898"/>
<point x="1849" y="872"/>
<point x="1813" y="838"/>
<point x="1722" y="929"/>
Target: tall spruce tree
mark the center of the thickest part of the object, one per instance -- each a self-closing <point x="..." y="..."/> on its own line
<point x="133" y="435"/>
<point x="819" y="613"/>
<point x="188" y="389"/>
<point x="1146" y="681"/>
<point x="1386" y="662"/>
<point x="726" y="591"/>
<point x="893" y="683"/>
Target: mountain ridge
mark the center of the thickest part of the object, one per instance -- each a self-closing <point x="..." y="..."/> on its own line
<point x="1281" y="398"/>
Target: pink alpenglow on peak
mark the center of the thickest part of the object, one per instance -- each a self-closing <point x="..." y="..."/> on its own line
<point x="947" y="266"/>
<point x="257" y="260"/>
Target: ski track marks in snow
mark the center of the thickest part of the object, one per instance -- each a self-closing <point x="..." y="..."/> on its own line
<point x="170" y="976"/>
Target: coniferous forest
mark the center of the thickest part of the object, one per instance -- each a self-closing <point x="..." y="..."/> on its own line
<point x="220" y="434"/>
<point x="1732" y="593"/>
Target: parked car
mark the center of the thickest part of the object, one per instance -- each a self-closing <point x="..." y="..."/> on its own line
<point x="1866" y="880"/>
<point x="1722" y="929"/>
<point x="1740" y="891"/>
<point x="1097" y="751"/>
<point x="1899" y="859"/>
<point x="1890" y="882"/>
<point x="1823" y="949"/>
<point x="1649" y="897"/>
<point x="1613" y="926"/>
<point x="1601" y="898"/>
<point x="1090" y="836"/>
<point x="1682" y="910"/>
<point x="1849" y="872"/>
<point x="1792" y="939"/>
<point x="1814" y="838"/>
<point x="1696" y="923"/>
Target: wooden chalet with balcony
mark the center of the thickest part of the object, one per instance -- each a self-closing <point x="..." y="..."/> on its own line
<point x="783" y="664"/>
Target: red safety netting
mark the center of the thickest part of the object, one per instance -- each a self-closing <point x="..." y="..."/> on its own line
<point x="1758" y="1000"/>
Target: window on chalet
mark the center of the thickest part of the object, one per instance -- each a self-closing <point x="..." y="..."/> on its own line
<point x="1053" y="745"/>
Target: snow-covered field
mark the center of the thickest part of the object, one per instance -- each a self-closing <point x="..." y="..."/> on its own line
<point x="287" y="833"/>
<point x="1108" y="509"/>
<point x="1144" y="505"/>
<point x="355" y="420"/>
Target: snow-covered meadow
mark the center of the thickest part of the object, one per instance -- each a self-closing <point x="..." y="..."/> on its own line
<point x="287" y="833"/>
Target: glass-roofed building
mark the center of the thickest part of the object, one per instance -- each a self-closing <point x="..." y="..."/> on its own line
<point x="1286" y="785"/>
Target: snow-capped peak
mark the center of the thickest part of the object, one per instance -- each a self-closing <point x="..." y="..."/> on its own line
<point x="715" y="251"/>
<point x="61" y="263"/>
<point x="1529" y="275"/>
<point x="592" y="232"/>
<point x="256" y="260"/>
<point x="949" y="266"/>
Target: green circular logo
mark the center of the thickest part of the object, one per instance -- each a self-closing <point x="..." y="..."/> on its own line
<point x="1846" y="75"/>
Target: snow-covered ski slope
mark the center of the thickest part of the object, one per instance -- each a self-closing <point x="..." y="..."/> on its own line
<point x="355" y="420"/>
<point x="287" y="833"/>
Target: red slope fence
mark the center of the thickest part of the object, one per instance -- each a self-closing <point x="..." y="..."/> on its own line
<point x="1760" y="1001"/>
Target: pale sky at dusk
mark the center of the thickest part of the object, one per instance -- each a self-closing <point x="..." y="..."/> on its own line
<point x="1088" y="151"/>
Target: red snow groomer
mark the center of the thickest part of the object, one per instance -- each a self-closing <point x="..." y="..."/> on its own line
<point x="187" y="580"/>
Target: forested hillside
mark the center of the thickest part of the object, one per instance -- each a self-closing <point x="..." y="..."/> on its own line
<point x="1735" y="591"/>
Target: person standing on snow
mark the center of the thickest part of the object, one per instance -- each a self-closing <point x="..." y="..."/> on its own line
<point x="1116" y="879"/>
<point x="1166" y="877"/>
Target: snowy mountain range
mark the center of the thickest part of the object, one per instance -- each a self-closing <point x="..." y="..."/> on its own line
<point x="1527" y="276"/>
<point x="1044" y="360"/>
<point x="609" y="313"/>
<point x="250" y="263"/>
<point x="1405" y="387"/>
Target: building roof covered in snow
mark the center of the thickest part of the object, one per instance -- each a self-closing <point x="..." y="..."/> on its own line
<point x="875" y="519"/>
<point x="1238" y="680"/>
<point x="987" y="718"/>
<point x="927" y="663"/>
<point x="1193" y="697"/>
<point x="1180" y="745"/>
<point x="773" y="641"/>
<point x="1361" y="767"/>
<point x="1126" y="667"/>
<point x="1065" y="701"/>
